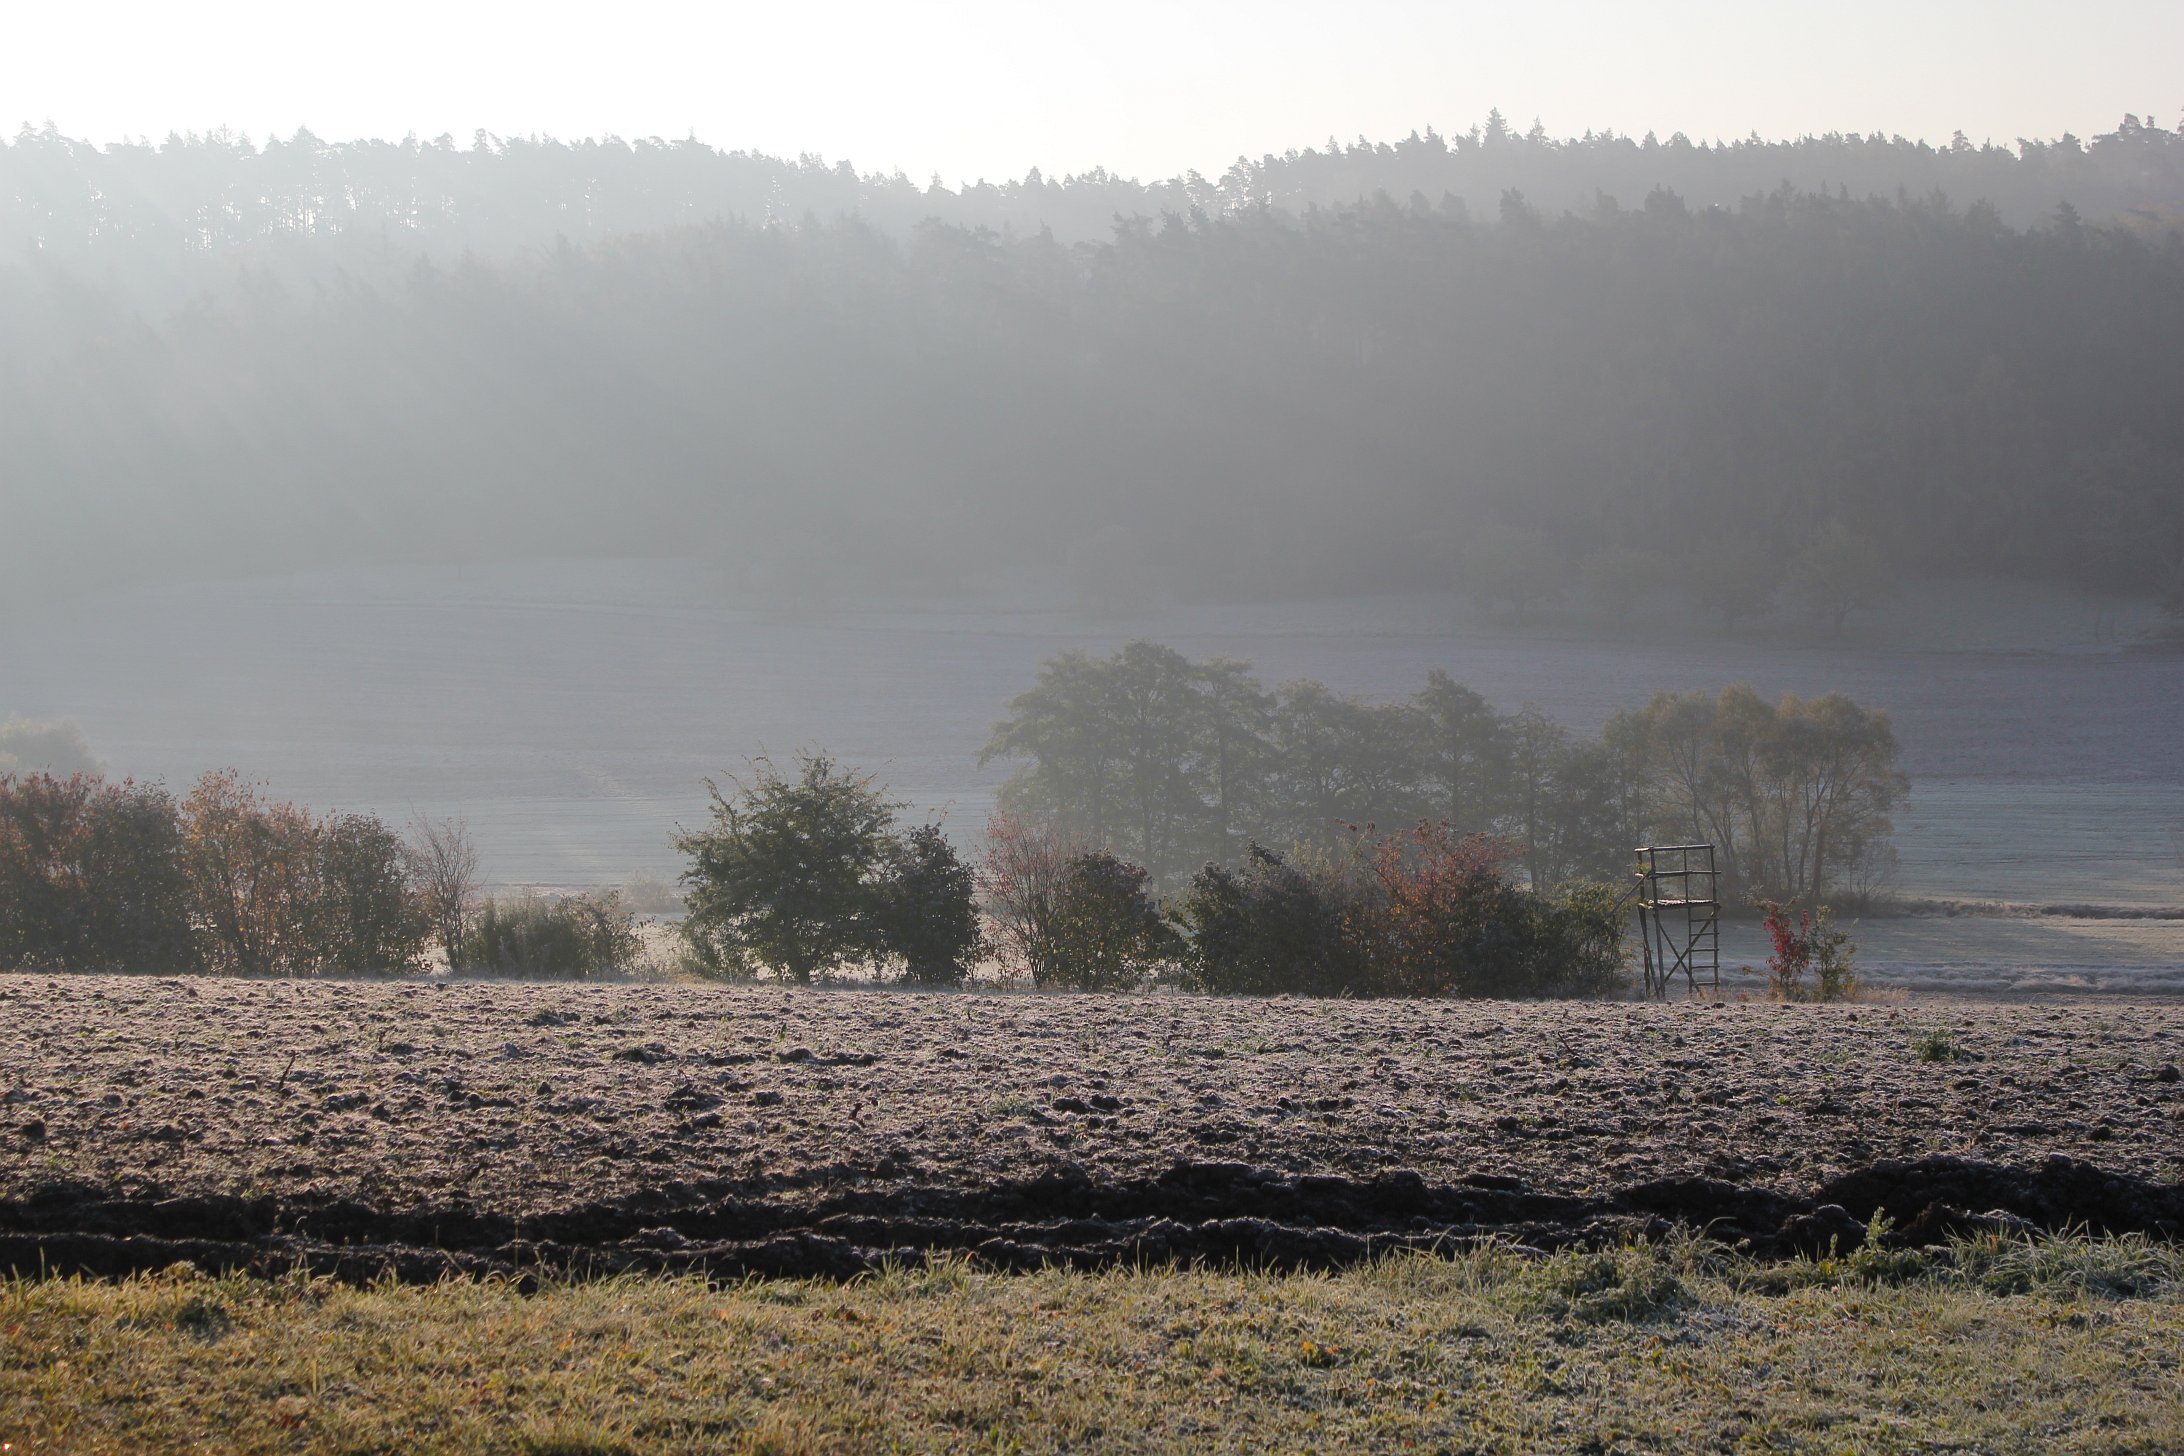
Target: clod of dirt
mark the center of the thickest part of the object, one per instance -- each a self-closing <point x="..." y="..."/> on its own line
<point x="2168" y="1073"/>
<point x="33" y="1131"/>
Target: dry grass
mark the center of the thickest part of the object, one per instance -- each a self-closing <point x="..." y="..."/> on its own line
<point x="2063" y="1345"/>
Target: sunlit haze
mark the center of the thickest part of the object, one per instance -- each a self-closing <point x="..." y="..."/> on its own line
<point x="973" y="90"/>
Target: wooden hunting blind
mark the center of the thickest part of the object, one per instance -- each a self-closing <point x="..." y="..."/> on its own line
<point x="1679" y="916"/>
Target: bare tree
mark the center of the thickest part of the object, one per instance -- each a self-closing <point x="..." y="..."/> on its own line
<point x="1021" y="881"/>
<point x="445" y="864"/>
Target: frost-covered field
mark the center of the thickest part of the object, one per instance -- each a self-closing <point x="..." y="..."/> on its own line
<point x="570" y="711"/>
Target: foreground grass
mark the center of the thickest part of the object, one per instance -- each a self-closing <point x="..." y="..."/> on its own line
<point x="2068" y="1345"/>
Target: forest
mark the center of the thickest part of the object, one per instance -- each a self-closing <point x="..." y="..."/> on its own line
<point x="164" y="211"/>
<point x="1256" y="394"/>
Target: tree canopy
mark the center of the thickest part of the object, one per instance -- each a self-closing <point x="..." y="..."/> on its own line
<point x="1177" y="764"/>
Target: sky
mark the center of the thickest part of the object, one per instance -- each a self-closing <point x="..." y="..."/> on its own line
<point x="1147" y="89"/>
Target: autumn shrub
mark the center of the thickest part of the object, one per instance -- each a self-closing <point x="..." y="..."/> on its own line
<point x="1811" y="959"/>
<point x="572" y="938"/>
<point x="1456" y="924"/>
<point x="1423" y="912"/>
<point x="91" y="877"/>
<point x="276" y="891"/>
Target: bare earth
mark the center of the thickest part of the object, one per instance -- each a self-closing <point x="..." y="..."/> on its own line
<point x="428" y="1128"/>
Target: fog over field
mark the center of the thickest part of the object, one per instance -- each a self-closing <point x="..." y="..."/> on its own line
<point x="570" y="710"/>
<point x="534" y="480"/>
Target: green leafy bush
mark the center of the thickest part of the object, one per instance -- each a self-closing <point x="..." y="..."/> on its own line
<point x="1106" y="933"/>
<point x="1273" y="926"/>
<point x="929" y="919"/>
<point x="791" y="873"/>
<point x="808" y="875"/>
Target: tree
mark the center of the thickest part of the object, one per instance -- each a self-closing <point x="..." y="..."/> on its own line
<point x="444" y="867"/>
<point x="1065" y="727"/>
<point x="1538" y="750"/>
<point x="1736" y="581"/>
<point x="1153" y="694"/>
<point x="1795" y="795"/>
<point x="1021" y="875"/>
<point x="792" y="872"/>
<point x="1145" y="751"/>
<point x="1235" y="713"/>
<point x="1838" y="572"/>
<point x="279" y="892"/>
<point x="1466" y="753"/>
<point x="251" y="872"/>
<point x="364" y="914"/>
<point x="1339" y="761"/>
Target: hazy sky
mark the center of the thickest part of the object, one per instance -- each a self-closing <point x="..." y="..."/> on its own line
<point x="989" y="89"/>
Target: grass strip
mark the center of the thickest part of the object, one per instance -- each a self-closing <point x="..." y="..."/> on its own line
<point x="1993" y="1345"/>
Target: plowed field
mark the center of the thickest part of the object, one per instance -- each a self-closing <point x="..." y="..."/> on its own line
<point x="474" y="1127"/>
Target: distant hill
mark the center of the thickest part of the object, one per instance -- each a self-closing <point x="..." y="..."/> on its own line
<point x="148" y="210"/>
<point x="1598" y="370"/>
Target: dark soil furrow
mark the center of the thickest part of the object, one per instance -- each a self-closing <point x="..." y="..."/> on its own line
<point x="1195" y="1212"/>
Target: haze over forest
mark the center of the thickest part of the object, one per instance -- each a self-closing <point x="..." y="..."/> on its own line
<point x="1483" y="360"/>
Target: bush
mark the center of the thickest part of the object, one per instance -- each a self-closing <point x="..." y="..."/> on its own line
<point x="808" y="875"/>
<point x="91" y="877"/>
<point x="930" y="921"/>
<point x="364" y="913"/>
<point x="574" y="938"/>
<point x="1274" y="927"/>
<point x="789" y="875"/>
<point x="1106" y="934"/>
<point x="277" y="892"/>
<point x="1457" y="926"/>
<point x="1420" y="913"/>
<point x="1578" y="946"/>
